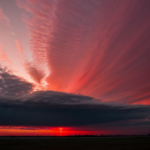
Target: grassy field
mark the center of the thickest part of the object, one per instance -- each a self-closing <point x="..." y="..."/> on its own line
<point x="72" y="143"/>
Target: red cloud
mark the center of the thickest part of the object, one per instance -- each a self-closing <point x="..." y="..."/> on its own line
<point x="32" y="1"/>
<point x="3" y="56"/>
<point x="96" y="48"/>
<point x="36" y="74"/>
<point x="19" y="48"/>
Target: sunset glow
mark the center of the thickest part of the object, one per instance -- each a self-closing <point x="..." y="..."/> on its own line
<point x="45" y="131"/>
<point x="72" y="67"/>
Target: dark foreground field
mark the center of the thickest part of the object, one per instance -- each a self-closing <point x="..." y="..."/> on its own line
<point x="75" y="143"/>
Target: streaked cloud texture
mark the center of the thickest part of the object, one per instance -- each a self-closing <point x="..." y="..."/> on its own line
<point x="4" y="19"/>
<point x="3" y="56"/>
<point x="97" y="48"/>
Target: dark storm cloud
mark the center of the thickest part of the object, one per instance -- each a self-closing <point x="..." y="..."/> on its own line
<point x="12" y="85"/>
<point x="60" y="109"/>
<point x="18" y="106"/>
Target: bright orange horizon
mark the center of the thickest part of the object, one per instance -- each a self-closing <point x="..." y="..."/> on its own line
<point x="45" y="131"/>
<point x="67" y="131"/>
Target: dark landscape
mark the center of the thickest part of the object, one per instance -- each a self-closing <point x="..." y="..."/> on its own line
<point x="74" y="143"/>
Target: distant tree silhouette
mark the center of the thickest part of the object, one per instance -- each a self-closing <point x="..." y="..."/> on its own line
<point x="86" y="135"/>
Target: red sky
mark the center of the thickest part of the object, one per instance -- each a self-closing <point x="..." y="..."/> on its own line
<point x="45" y="131"/>
<point x="95" y="48"/>
<point x="63" y="131"/>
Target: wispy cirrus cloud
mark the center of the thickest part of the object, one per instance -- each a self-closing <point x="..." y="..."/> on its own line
<point x="33" y="70"/>
<point x="3" y="56"/>
<point x="4" y="19"/>
<point x="20" y="49"/>
<point x="97" y="48"/>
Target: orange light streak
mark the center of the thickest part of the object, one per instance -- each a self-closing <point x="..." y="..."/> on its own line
<point x="44" y="131"/>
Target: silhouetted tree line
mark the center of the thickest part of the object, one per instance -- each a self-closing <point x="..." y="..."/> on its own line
<point x="86" y="135"/>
